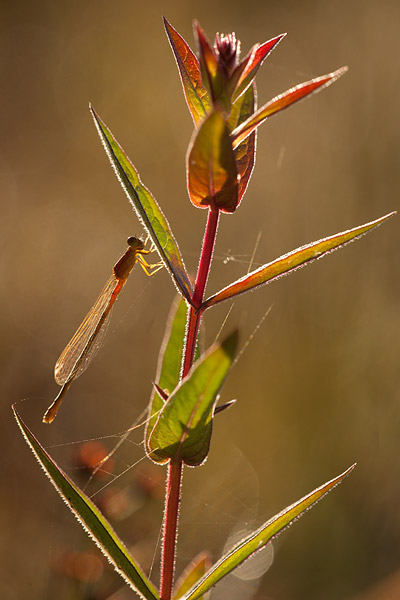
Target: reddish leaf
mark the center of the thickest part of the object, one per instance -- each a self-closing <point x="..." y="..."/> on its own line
<point x="281" y="102"/>
<point x="245" y="153"/>
<point x="251" y="63"/>
<point x="211" y="71"/>
<point x="212" y="174"/>
<point x="189" y="69"/>
<point x="292" y="261"/>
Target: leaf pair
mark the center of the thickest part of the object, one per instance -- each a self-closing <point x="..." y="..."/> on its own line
<point x="221" y="160"/>
<point x="107" y="540"/>
<point x="159" y="230"/>
<point x="181" y="412"/>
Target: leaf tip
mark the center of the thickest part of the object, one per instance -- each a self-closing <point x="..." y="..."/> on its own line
<point x="343" y="475"/>
<point x="93" y="112"/>
<point x="14" y="411"/>
<point x="339" y="72"/>
<point x="381" y="220"/>
<point x="280" y="37"/>
<point x="222" y="407"/>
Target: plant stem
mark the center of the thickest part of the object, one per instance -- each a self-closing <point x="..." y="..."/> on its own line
<point x="172" y="497"/>
<point x="200" y="285"/>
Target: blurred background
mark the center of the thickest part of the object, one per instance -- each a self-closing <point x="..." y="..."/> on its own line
<point x="317" y="388"/>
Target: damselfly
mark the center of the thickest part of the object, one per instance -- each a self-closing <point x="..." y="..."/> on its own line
<point x="82" y="347"/>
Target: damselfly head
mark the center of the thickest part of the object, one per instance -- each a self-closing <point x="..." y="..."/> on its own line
<point x="135" y="243"/>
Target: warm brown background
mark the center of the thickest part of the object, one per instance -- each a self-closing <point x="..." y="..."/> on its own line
<point x="317" y="389"/>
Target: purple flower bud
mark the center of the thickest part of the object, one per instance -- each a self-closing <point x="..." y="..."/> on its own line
<point x="227" y="48"/>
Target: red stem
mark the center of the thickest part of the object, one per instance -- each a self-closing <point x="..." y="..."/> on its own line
<point x="175" y="467"/>
<point x="172" y="499"/>
<point x="206" y="255"/>
<point x="200" y="285"/>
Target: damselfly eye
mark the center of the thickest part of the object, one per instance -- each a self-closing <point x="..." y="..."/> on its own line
<point x="135" y="243"/>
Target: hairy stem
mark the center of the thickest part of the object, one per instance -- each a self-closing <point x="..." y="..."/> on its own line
<point x="172" y="499"/>
<point x="175" y="467"/>
<point x="194" y="317"/>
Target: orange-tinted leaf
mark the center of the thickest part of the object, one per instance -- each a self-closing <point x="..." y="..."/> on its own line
<point x="212" y="174"/>
<point x="211" y="72"/>
<point x="189" y="69"/>
<point x="245" y="153"/>
<point x="252" y="62"/>
<point x="292" y="261"/>
<point x="281" y="102"/>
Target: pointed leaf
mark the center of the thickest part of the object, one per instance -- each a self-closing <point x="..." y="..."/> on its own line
<point x="221" y="407"/>
<point x="212" y="174"/>
<point x="283" y="101"/>
<point x="243" y="107"/>
<point x="169" y="361"/>
<point x="184" y="426"/>
<point x="146" y="208"/>
<point x="245" y="153"/>
<point x="211" y="72"/>
<point x="292" y="261"/>
<point x="260" y="538"/>
<point x="252" y="63"/>
<point x="195" y="569"/>
<point x="189" y="69"/>
<point x="91" y="519"/>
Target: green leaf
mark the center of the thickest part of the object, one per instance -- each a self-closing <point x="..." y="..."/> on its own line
<point x="189" y="69"/>
<point x="283" y="101"/>
<point x="251" y="63"/>
<point x="259" y="538"/>
<point x="243" y="108"/>
<point x="91" y="519"/>
<point x="169" y="361"/>
<point x="245" y="153"/>
<point x="195" y="569"/>
<point x="146" y="208"/>
<point x="292" y="261"/>
<point x="212" y="174"/>
<point x="184" y="426"/>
